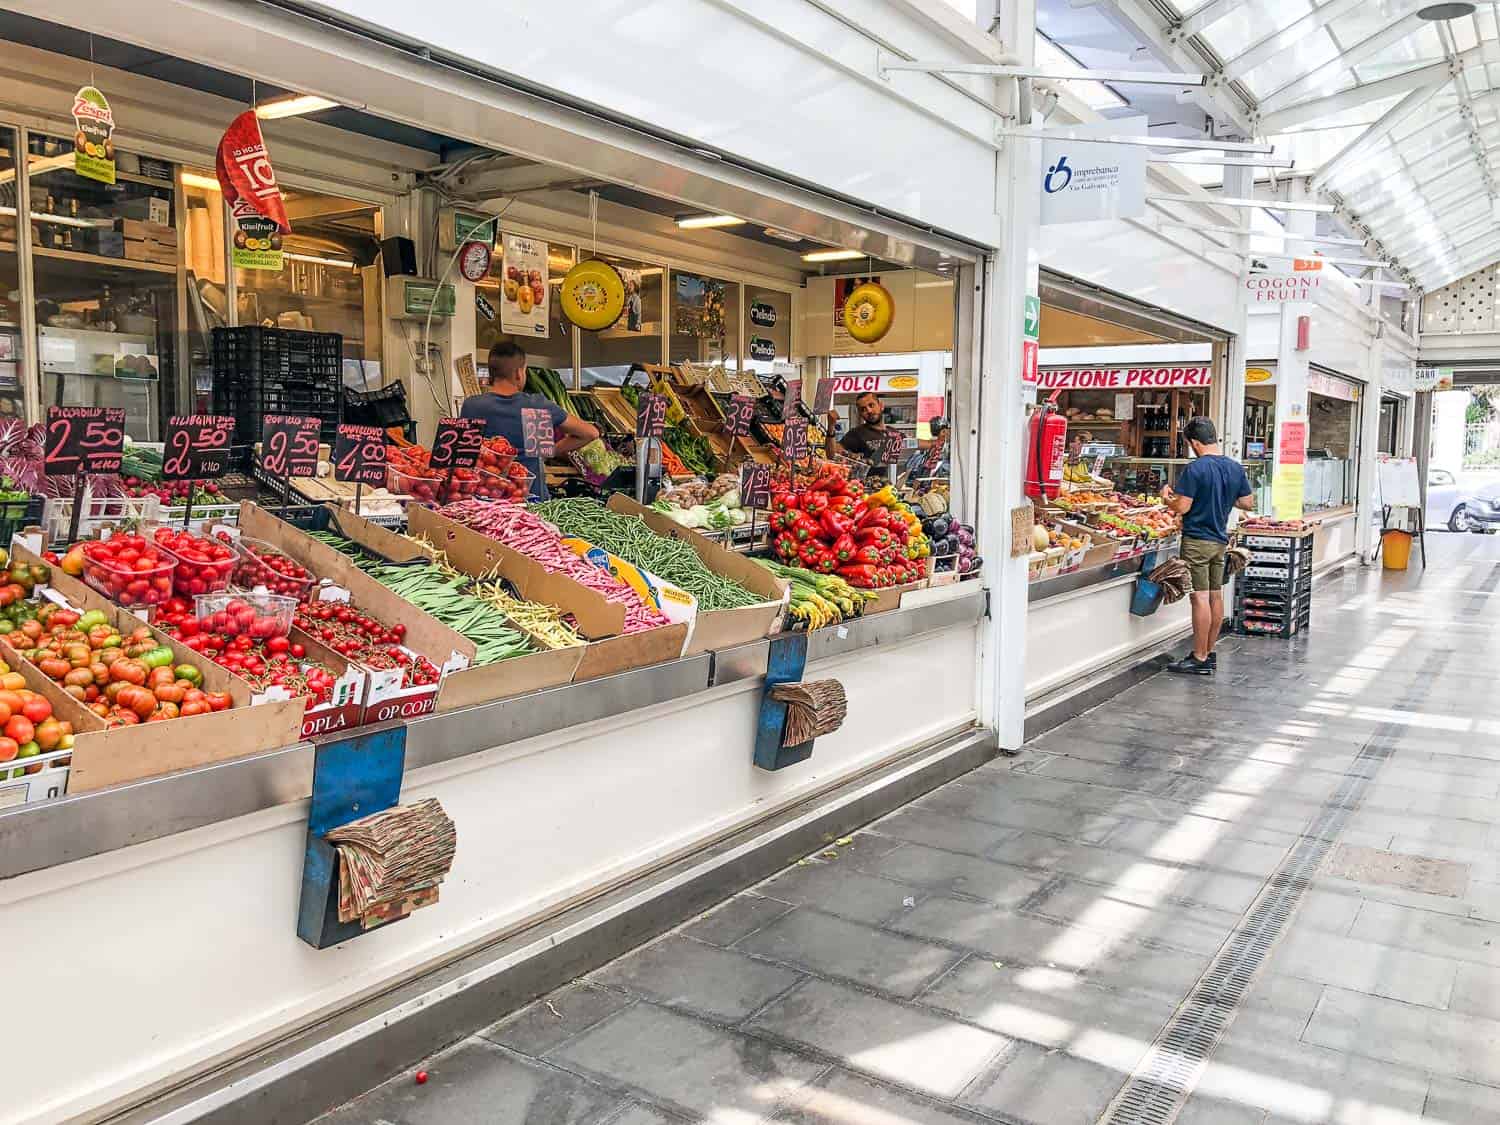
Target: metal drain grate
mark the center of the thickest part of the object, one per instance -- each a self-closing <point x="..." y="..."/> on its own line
<point x="1165" y="1078"/>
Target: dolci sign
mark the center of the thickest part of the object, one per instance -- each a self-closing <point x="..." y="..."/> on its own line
<point x="197" y="446"/>
<point x="84" y="439"/>
<point x="1087" y="182"/>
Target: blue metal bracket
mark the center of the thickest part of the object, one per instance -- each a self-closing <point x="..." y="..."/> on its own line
<point x="784" y="665"/>
<point x="352" y="778"/>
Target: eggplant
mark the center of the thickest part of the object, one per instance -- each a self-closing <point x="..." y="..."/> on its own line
<point x="940" y="526"/>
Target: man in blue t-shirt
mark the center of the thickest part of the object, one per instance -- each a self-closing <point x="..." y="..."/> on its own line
<point x="501" y="410"/>
<point x="1207" y="490"/>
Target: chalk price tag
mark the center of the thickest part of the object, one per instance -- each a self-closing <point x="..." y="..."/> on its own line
<point x="755" y="485"/>
<point x="738" y="415"/>
<point x="197" y="446"/>
<point x="537" y="438"/>
<point x="794" y="439"/>
<point x="359" y="455"/>
<point x="457" y="443"/>
<point x="84" y="439"/>
<point x="823" y="397"/>
<point x="895" y="445"/>
<point x="650" y="416"/>
<point x="289" y="445"/>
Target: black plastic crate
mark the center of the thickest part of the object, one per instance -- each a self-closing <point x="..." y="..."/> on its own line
<point x="259" y="371"/>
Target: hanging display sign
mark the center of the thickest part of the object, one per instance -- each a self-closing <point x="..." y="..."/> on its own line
<point x="359" y="455"/>
<point x="1281" y="281"/>
<point x="243" y="168"/>
<point x="1084" y="182"/>
<point x="1330" y="386"/>
<point x="93" y="144"/>
<point x="457" y="443"/>
<point x="1433" y="379"/>
<point x="868" y="310"/>
<point x="1288" y="482"/>
<point x="537" y="439"/>
<point x="83" y="439"/>
<point x="524" y="295"/>
<point x="844" y="342"/>
<point x="1108" y="378"/>
<point x="762" y="315"/>
<point x="592" y="295"/>
<point x="197" y="446"/>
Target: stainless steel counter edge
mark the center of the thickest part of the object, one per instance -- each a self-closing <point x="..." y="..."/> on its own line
<point x="41" y="835"/>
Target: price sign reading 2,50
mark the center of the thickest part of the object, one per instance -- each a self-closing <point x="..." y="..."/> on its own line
<point x="359" y="455"/>
<point x="84" y="439"/>
<point x="289" y="445"/>
<point x="197" y="446"/>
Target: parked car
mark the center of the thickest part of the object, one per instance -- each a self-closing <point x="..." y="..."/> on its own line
<point x="1458" y="507"/>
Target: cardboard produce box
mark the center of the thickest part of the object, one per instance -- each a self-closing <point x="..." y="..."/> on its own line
<point x="719" y="628"/>
<point x="104" y="756"/>
<point x="598" y="620"/>
<point x="461" y="685"/>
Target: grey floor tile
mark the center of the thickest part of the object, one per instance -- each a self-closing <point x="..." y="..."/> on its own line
<point x="542" y="1025"/>
<point x="1442" y="934"/>
<point x="940" y="871"/>
<point x="939" y="830"/>
<point x="1138" y="915"/>
<point x="641" y="1115"/>
<point x="838" y="889"/>
<point x="1476" y="991"/>
<point x="684" y="973"/>
<point x="995" y="806"/>
<point x="743" y="914"/>
<point x="688" y="1065"/>
<point x="821" y="943"/>
<point x="480" y="1082"/>
<point x="1044" y="1087"/>
<point x="1005" y="935"/>
<point x="1451" y="1102"/>
<point x="1204" y="1110"/>
<point x="841" y="1098"/>
<point x="1447" y="1043"/>
<point x="1366" y="966"/>
<point x="919" y="1049"/>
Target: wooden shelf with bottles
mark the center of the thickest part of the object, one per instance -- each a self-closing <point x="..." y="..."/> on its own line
<point x="101" y="260"/>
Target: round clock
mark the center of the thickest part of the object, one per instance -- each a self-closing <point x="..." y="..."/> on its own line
<point x="474" y="260"/>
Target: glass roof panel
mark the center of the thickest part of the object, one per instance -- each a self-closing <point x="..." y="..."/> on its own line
<point x="1250" y="22"/>
<point x="1308" y="53"/>
<point x="1417" y="48"/>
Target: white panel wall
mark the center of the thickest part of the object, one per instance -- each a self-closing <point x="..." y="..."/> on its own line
<point x="1072" y="635"/>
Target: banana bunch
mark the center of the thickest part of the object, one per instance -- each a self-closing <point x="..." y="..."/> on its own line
<point x="819" y="599"/>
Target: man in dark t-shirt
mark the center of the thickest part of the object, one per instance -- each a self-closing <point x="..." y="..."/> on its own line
<point x="1208" y="489"/>
<point x="501" y="410"/>
<point x="866" y="439"/>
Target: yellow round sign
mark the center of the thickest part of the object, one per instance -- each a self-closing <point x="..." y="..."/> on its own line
<point x="868" y="312"/>
<point x="902" y="383"/>
<point x="592" y="294"/>
<point x="1258" y="375"/>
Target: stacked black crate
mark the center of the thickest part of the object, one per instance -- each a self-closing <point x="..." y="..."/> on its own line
<point x="1273" y="595"/>
<point x="259" y="371"/>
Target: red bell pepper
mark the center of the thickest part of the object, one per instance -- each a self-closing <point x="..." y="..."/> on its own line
<point x="807" y="554"/>
<point x="867" y="556"/>
<point x="786" y="546"/>
<point x="859" y="575"/>
<point x="814" y="502"/>
<point x="806" y="529"/>
<point x="834" y="525"/>
<point x="826" y="563"/>
<point x="844" y="549"/>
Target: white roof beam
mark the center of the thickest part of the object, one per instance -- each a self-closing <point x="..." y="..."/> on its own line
<point x="1393" y="118"/>
<point x="1203" y="15"/>
<point x="1354" y="97"/>
<point x="1272" y="45"/>
<point x="1346" y="60"/>
<point x="1466" y="109"/>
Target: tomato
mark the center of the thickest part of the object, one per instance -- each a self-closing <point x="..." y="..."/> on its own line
<point x="20" y="728"/>
<point x="160" y="676"/>
<point x="9" y="748"/>
<point x="48" y="734"/>
<point x="198" y="708"/>
<point x="219" y="700"/>
<point x="128" y="671"/>
<point x="12" y="681"/>
<point x="36" y="709"/>
<point x="170" y="693"/>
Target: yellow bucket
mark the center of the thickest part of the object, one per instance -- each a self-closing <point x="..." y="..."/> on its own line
<point x="1395" y="549"/>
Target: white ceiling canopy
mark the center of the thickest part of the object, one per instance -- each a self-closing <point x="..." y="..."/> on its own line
<point x="1391" y="106"/>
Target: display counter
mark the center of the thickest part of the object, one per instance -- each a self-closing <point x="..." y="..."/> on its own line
<point x="192" y="879"/>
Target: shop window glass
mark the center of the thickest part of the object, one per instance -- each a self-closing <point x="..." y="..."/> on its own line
<point x="207" y="296"/>
<point x="105" y="261"/>
<point x="329" y="280"/>
<point x="1332" y="447"/>
<point x="705" y="320"/>
<point x="634" y="338"/>
<point x="768" y="329"/>
<point x="12" y="402"/>
<point x="498" y="303"/>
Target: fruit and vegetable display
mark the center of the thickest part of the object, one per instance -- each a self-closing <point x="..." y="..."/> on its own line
<point x="703" y="505"/>
<point x="595" y="458"/>
<point x="828" y="526"/>
<point x="362" y="638"/>
<point x="27" y="726"/>
<point x="140" y="475"/>
<point x="204" y="565"/>
<point x="527" y="533"/>
<point x="410" y="473"/>
<point x="819" y="599"/>
<point x="632" y="540"/>
<point x="249" y="634"/>
<point x="124" y="679"/>
<point x="129" y="570"/>
<point x="1278" y="527"/>
<point x="953" y="545"/>
<point x="263" y="566"/>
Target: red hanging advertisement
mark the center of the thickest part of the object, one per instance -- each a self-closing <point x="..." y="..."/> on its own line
<point x="245" y="176"/>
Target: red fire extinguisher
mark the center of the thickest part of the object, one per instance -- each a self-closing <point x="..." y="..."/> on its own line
<point x="1046" y="446"/>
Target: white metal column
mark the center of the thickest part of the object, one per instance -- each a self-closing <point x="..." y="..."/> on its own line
<point x="1239" y="183"/>
<point x="1291" y="364"/>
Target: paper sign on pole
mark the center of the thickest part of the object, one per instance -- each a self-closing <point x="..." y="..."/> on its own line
<point x="1287" y="485"/>
<point x="1084" y="182"/>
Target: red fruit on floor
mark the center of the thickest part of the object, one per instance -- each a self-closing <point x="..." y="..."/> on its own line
<point x="421" y="1078"/>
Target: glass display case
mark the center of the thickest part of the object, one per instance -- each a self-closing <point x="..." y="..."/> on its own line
<point x="105" y="263"/>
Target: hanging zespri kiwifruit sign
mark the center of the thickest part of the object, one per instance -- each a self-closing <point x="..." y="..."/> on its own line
<point x="93" y="132"/>
<point x="592" y="294"/>
<point x="868" y="311"/>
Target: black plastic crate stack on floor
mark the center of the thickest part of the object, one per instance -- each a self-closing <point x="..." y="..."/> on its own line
<point x="1273" y="595"/>
<point x="259" y="371"/>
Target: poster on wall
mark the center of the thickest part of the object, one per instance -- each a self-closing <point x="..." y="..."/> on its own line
<point x="1288" y="482"/>
<point x="1086" y="183"/>
<point x="93" y="130"/>
<point x="243" y="168"/>
<point x="928" y="408"/>
<point x="523" y="288"/>
<point x="698" y="309"/>
<point x="632" y="320"/>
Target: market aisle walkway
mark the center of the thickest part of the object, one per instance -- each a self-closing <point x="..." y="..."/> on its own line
<point x="1010" y="947"/>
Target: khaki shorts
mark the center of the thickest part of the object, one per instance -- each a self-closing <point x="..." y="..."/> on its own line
<point x="1205" y="559"/>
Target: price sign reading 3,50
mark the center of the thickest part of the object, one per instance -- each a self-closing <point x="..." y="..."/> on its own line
<point x="537" y="439"/>
<point x="457" y="443"/>
<point x="650" y="416"/>
<point x="197" y="446"/>
<point x="359" y="455"/>
<point x="738" y="415"/>
<point x="289" y="445"/>
<point x="84" y="439"/>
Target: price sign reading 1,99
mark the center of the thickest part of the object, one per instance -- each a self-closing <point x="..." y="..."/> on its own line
<point x="457" y="444"/>
<point x="289" y="445"/>
<point x="359" y="455"/>
<point x="197" y="446"/>
<point x="650" y="416"/>
<point x="84" y="439"/>
<point x="738" y="415"/>
<point x="755" y="485"/>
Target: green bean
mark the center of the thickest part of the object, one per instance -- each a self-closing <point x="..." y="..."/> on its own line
<point x="632" y="540"/>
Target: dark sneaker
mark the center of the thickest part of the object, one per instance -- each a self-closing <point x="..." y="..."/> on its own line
<point x="1190" y="665"/>
<point x="1213" y="660"/>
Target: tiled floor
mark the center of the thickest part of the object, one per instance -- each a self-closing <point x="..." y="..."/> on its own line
<point x="1008" y="947"/>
